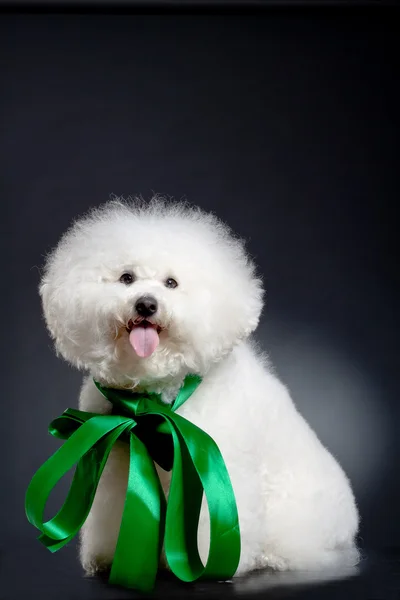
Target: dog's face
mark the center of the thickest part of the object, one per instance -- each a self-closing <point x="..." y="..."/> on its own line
<point x="136" y="295"/>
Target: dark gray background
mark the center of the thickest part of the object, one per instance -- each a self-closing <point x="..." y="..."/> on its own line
<point x="286" y="125"/>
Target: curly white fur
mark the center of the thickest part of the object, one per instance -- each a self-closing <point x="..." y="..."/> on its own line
<point x="296" y="507"/>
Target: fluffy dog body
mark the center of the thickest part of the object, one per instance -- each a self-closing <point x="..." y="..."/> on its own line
<point x="296" y="508"/>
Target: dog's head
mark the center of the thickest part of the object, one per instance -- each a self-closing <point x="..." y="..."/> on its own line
<point x="139" y="293"/>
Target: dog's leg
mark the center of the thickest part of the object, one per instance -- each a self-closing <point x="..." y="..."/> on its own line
<point x="100" y="532"/>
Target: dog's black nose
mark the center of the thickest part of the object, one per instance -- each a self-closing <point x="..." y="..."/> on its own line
<point x="146" y="306"/>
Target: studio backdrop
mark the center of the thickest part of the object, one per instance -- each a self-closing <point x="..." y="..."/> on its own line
<point x="286" y="126"/>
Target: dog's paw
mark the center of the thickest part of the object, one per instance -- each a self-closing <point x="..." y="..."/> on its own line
<point x="95" y="565"/>
<point x="251" y="564"/>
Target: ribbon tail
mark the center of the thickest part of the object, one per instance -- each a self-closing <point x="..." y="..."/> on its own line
<point x="80" y="496"/>
<point x="198" y="463"/>
<point x="139" y="543"/>
<point x="89" y="447"/>
<point x="183" y="511"/>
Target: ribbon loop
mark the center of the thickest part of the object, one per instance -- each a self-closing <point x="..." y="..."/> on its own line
<point x="155" y="434"/>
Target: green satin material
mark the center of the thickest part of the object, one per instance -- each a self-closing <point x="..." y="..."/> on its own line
<point x="156" y="433"/>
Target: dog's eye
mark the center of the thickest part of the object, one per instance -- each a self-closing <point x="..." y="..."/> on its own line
<point x="171" y="283"/>
<point x="127" y="278"/>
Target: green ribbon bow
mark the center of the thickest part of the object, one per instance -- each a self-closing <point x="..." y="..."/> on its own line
<point x="155" y="433"/>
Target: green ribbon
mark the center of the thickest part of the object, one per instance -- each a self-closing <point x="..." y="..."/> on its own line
<point x="155" y="433"/>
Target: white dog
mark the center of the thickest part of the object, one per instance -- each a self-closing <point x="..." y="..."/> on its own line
<point x="138" y="296"/>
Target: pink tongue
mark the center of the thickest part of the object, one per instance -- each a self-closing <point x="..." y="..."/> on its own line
<point x="144" y="340"/>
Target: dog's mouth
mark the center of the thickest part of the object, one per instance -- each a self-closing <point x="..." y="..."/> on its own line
<point x="143" y="336"/>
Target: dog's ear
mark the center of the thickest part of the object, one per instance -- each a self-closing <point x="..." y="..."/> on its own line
<point x="255" y="304"/>
<point x="249" y="303"/>
<point x="49" y="306"/>
<point x="44" y="293"/>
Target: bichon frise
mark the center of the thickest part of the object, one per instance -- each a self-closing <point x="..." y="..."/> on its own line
<point x="138" y="296"/>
